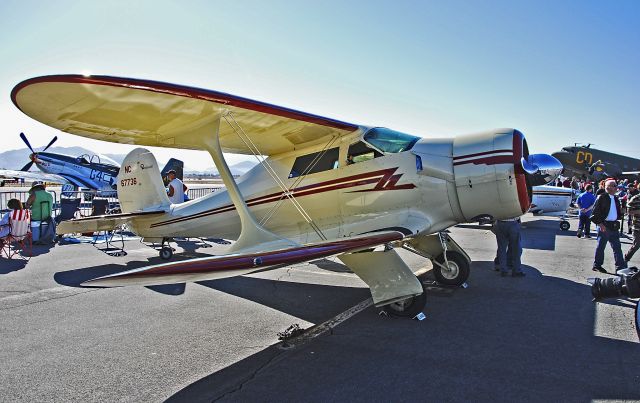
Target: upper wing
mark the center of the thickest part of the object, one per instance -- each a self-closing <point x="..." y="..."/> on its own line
<point x="215" y="267"/>
<point x="33" y="176"/>
<point x="153" y="113"/>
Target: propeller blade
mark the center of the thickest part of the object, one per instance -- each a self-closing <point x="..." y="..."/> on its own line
<point x="51" y="142"/>
<point x="26" y="167"/>
<point x="24" y="138"/>
<point x="541" y="168"/>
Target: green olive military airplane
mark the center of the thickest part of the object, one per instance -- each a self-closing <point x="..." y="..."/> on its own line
<point x="587" y="162"/>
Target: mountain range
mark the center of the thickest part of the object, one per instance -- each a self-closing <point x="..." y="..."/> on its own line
<point x="16" y="159"/>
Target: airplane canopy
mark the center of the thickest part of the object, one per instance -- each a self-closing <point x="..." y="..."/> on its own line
<point x="152" y="113"/>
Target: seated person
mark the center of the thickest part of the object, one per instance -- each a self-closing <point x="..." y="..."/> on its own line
<point x="15" y="206"/>
<point x="40" y="202"/>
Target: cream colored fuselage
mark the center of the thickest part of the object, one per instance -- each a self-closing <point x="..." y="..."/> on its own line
<point x="422" y="190"/>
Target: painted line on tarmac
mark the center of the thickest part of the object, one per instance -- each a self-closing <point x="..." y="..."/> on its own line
<point x="16" y="301"/>
<point x="326" y="326"/>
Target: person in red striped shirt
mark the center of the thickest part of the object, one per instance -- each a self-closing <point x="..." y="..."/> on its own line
<point x="15" y="209"/>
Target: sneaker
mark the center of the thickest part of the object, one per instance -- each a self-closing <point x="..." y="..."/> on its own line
<point x="518" y="274"/>
<point x="599" y="268"/>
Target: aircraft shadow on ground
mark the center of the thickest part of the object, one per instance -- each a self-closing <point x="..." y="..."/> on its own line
<point x="501" y="339"/>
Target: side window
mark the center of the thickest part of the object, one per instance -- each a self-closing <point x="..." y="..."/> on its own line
<point x="315" y="162"/>
<point x="360" y="152"/>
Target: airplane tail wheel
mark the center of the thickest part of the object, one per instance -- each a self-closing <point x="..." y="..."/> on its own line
<point x="166" y="253"/>
<point x="407" y="308"/>
<point x="564" y="225"/>
<point x="456" y="273"/>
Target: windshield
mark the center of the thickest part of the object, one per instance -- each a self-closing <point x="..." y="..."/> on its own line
<point x="390" y="141"/>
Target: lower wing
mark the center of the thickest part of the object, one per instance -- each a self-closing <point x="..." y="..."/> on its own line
<point x="216" y="267"/>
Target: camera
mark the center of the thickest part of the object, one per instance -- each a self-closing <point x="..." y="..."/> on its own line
<point x="626" y="284"/>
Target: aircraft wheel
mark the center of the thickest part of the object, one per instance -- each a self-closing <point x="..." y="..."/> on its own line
<point x="407" y="308"/>
<point x="456" y="274"/>
<point x="166" y="253"/>
<point x="564" y="225"/>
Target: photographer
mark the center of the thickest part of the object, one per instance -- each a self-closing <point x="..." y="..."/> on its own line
<point x="607" y="213"/>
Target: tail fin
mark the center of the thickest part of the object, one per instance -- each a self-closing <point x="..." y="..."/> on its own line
<point x="175" y="165"/>
<point x="140" y="186"/>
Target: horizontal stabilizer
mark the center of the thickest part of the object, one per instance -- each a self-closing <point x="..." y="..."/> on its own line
<point x="100" y="223"/>
<point x="215" y="267"/>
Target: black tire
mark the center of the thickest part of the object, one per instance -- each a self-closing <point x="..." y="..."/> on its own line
<point x="166" y="253"/>
<point x="409" y="307"/>
<point x="459" y="272"/>
<point x="565" y="225"/>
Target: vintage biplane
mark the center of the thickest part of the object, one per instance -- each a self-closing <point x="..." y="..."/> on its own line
<point x="325" y="188"/>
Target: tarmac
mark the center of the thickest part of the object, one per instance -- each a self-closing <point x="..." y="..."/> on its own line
<point x="537" y="338"/>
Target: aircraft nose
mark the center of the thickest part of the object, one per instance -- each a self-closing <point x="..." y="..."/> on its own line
<point x="541" y="168"/>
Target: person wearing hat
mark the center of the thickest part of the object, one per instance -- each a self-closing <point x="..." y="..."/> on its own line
<point x="176" y="189"/>
<point x="40" y="202"/>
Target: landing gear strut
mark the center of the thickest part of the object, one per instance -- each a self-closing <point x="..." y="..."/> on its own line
<point x="454" y="271"/>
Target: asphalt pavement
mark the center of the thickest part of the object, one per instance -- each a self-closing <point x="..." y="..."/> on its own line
<point x="537" y="338"/>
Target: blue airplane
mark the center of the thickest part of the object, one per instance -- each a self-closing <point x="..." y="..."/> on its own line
<point x="74" y="173"/>
<point x="86" y="172"/>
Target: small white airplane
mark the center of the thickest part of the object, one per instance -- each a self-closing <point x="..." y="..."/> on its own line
<point x="326" y="187"/>
<point x="552" y="201"/>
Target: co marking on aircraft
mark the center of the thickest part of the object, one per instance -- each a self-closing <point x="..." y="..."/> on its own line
<point x="326" y="187"/>
<point x="586" y="161"/>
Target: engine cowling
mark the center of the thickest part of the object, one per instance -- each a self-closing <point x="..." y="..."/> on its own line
<point x="487" y="171"/>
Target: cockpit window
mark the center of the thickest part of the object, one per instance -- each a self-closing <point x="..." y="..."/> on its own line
<point x="82" y="160"/>
<point x="360" y="152"/>
<point x="315" y="162"/>
<point x="390" y="141"/>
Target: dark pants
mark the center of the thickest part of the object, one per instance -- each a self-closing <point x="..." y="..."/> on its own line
<point x="584" y="227"/>
<point x="613" y="237"/>
<point x="634" y="248"/>
<point x="509" y="246"/>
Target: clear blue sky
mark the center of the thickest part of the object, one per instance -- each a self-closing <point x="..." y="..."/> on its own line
<point x="560" y="71"/>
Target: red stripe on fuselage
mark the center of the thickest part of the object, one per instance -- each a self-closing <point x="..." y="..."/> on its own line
<point x="380" y="177"/>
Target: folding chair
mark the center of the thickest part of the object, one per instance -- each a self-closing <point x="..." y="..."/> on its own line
<point x="68" y="209"/>
<point x="100" y="207"/>
<point x="19" y="239"/>
<point x="46" y="226"/>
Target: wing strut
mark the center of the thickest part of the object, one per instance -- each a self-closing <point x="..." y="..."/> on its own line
<point x="253" y="237"/>
<point x="286" y="191"/>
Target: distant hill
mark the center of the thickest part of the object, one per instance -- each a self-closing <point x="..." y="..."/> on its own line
<point x="16" y="159"/>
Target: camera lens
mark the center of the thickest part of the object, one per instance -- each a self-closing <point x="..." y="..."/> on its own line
<point x="607" y="288"/>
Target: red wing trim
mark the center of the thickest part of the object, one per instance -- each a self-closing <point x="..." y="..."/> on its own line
<point x="256" y="260"/>
<point x="187" y="92"/>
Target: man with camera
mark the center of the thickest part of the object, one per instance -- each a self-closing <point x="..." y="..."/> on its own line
<point x="633" y="209"/>
<point x="607" y="213"/>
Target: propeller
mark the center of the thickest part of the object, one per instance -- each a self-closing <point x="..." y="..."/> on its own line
<point x="34" y="155"/>
<point x="541" y="168"/>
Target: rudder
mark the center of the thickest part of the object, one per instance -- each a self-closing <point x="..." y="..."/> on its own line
<point x="140" y="185"/>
